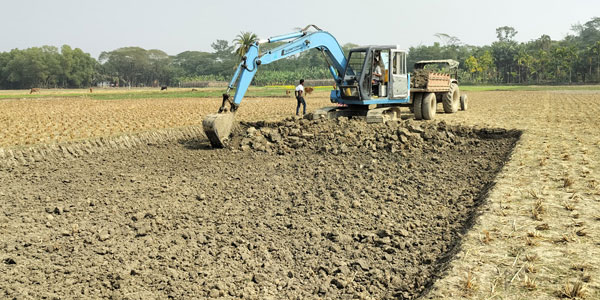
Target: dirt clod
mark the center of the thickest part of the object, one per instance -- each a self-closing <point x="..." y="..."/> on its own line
<point x="103" y="236"/>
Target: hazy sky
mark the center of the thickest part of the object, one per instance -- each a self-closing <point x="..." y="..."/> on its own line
<point x="176" y="26"/>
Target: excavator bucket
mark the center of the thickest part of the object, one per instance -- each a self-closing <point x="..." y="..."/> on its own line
<point x="217" y="128"/>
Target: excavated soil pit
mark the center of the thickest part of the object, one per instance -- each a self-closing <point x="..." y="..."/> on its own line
<point x="298" y="209"/>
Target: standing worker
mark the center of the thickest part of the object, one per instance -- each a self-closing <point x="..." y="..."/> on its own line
<point x="300" y="97"/>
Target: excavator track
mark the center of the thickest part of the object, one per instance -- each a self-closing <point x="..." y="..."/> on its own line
<point x="374" y="115"/>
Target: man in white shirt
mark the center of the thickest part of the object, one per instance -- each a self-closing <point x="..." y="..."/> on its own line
<point x="377" y="74"/>
<point x="377" y="77"/>
<point x="300" y="97"/>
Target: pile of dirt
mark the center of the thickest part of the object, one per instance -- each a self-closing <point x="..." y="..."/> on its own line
<point x="418" y="78"/>
<point x="346" y="210"/>
<point x="345" y="135"/>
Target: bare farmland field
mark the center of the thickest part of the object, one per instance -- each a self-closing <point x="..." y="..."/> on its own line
<point x="25" y="122"/>
<point x="536" y="236"/>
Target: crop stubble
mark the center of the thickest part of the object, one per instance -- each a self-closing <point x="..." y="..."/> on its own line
<point x="538" y="235"/>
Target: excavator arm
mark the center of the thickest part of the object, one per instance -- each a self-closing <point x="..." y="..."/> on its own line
<point x="218" y="126"/>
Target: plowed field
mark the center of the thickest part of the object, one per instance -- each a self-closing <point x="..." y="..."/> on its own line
<point x="303" y="209"/>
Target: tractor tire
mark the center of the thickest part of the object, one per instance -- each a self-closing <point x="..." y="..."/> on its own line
<point x="464" y="101"/>
<point x="451" y="99"/>
<point x="429" y="106"/>
<point x="417" y="106"/>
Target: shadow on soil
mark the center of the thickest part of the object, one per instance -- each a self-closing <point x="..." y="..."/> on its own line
<point x="444" y="260"/>
<point x="196" y="144"/>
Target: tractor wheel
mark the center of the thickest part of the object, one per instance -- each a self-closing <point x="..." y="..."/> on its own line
<point x="464" y="101"/>
<point x="429" y="106"/>
<point x="451" y="99"/>
<point x="417" y="106"/>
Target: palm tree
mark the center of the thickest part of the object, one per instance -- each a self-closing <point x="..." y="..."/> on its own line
<point x="243" y="41"/>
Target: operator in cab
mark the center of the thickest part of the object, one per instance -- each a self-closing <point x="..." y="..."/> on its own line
<point x="300" y="97"/>
<point x="377" y="76"/>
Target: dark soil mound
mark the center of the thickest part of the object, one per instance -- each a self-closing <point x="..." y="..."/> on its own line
<point x="309" y="209"/>
<point x="344" y="136"/>
<point x="418" y="78"/>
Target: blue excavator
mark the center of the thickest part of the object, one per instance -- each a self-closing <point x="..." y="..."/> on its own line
<point x="361" y="91"/>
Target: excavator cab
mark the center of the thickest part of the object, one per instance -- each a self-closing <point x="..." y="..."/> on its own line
<point x="374" y="72"/>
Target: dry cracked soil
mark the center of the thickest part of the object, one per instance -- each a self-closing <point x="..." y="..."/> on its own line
<point x="295" y="209"/>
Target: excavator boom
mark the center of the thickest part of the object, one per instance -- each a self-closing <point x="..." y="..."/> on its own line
<point x="218" y="126"/>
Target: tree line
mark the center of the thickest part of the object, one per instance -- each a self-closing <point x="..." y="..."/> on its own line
<point x="46" y="66"/>
<point x="574" y="59"/>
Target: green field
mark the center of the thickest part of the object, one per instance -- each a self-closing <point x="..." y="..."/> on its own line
<point x="529" y="87"/>
<point x="108" y="94"/>
<point x="269" y="91"/>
